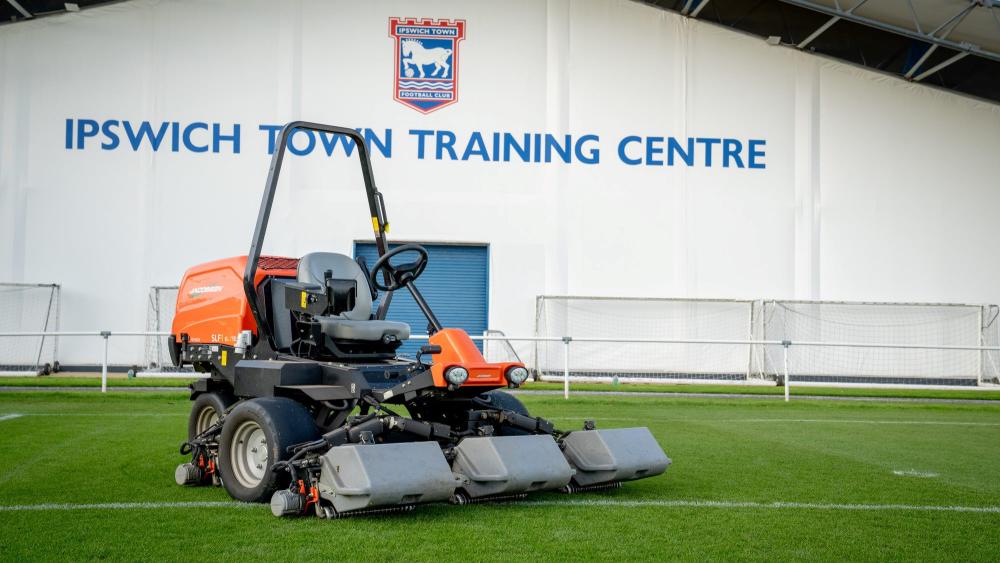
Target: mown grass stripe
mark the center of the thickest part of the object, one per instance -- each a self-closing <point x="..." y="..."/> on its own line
<point x="566" y="503"/>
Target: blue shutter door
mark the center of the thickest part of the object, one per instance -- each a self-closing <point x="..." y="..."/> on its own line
<point x="455" y="285"/>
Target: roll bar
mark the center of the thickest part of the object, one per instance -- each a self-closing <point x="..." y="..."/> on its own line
<point x="376" y="206"/>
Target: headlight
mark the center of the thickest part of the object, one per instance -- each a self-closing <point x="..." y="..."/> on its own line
<point x="517" y="375"/>
<point x="456" y="375"/>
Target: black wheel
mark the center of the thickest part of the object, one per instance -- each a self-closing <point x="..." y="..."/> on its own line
<point x="55" y="367"/>
<point x="206" y="410"/>
<point x="506" y="401"/>
<point x="255" y="436"/>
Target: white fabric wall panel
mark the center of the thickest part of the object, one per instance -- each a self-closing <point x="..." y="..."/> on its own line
<point x="910" y="189"/>
<point x="870" y="188"/>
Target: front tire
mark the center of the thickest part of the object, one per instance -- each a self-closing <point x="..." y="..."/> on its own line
<point x="255" y="436"/>
<point x="206" y="411"/>
<point x="506" y="401"/>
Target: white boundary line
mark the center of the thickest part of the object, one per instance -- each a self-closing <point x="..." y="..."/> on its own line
<point x="126" y="506"/>
<point x="764" y="505"/>
<point x="103" y="414"/>
<point x="856" y="421"/>
<point x="778" y="505"/>
<point x="11" y="416"/>
<point x="915" y="473"/>
<point x="641" y="419"/>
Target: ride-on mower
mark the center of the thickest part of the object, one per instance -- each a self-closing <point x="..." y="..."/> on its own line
<point x="304" y="403"/>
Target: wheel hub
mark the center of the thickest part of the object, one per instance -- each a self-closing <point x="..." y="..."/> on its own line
<point x="250" y="454"/>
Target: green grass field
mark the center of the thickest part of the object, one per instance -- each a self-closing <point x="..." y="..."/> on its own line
<point x="751" y="479"/>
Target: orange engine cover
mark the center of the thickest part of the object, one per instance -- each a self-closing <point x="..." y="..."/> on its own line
<point x="211" y="304"/>
<point x="457" y="349"/>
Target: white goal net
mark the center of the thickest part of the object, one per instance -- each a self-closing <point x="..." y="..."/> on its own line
<point x="884" y="329"/>
<point x="159" y="318"/>
<point x="28" y="308"/>
<point x="876" y="343"/>
<point x="631" y="320"/>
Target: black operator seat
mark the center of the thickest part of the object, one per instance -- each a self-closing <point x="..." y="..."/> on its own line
<point x="355" y="324"/>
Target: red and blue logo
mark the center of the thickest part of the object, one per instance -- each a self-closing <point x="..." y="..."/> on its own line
<point x="426" y="62"/>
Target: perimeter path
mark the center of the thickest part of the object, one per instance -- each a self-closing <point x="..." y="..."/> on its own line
<point x="649" y="394"/>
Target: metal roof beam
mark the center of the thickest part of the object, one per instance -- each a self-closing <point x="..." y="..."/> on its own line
<point x="913" y="12"/>
<point x="923" y="58"/>
<point x="939" y="66"/>
<point x="846" y="15"/>
<point x="699" y="7"/>
<point x="20" y="8"/>
<point x="947" y="26"/>
<point x="956" y="19"/>
<point x="829" y="23"/>
<point x="819" y="31"/>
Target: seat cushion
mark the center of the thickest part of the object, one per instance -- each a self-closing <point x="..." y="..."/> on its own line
<point x="373" y="331"/>
<point x="312" y="270"/>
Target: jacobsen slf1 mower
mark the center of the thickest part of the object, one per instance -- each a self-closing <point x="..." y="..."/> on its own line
<point x="304" y="403"/>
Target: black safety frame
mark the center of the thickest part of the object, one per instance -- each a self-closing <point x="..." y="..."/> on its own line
<point x="376" y="205"/>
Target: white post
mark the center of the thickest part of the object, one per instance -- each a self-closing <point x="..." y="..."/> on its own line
<point x="784" y="346"/>
<point x="566" y="341"/>
<point x="104" y="364"/>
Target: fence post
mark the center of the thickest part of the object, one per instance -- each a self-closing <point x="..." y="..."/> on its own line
<point x="104" y="363"/>
<point x="566" y="341"/>
<point x="784" y="347"/>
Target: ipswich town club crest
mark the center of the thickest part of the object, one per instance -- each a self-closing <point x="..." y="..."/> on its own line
<point x="426" y="62"/>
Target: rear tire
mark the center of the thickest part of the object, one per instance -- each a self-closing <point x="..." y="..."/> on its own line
<point x="255" y="436"/>
<point x="207" y="409"/>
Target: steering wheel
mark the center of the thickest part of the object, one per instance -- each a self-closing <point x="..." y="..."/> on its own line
<point x="399" y="275"/>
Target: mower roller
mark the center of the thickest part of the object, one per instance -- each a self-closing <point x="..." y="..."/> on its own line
<point x="304" y="403"/>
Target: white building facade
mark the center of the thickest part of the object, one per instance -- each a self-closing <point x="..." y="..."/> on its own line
<point x="597" y="147"/>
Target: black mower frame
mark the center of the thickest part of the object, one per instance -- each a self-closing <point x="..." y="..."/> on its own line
<point x="303" y="404"/>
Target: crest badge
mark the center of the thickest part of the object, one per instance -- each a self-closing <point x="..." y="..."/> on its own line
<point x="426" y="71"/>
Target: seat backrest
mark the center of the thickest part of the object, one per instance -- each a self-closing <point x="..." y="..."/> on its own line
<point x="311" y="270"/>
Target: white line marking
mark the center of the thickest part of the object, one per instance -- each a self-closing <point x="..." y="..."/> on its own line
<point x="127" y="506"/>
<point x="914" y="473"/>
<point x="854" y="421"/>
<point x="103" y="414"/>
<point x="765" y="505"/>
<point x="588" y="503"/>
<point x="781" y="420"/>
<point x="11" y="416"/>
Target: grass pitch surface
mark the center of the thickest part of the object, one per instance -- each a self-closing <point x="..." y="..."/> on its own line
<point x="751" y="479"/>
